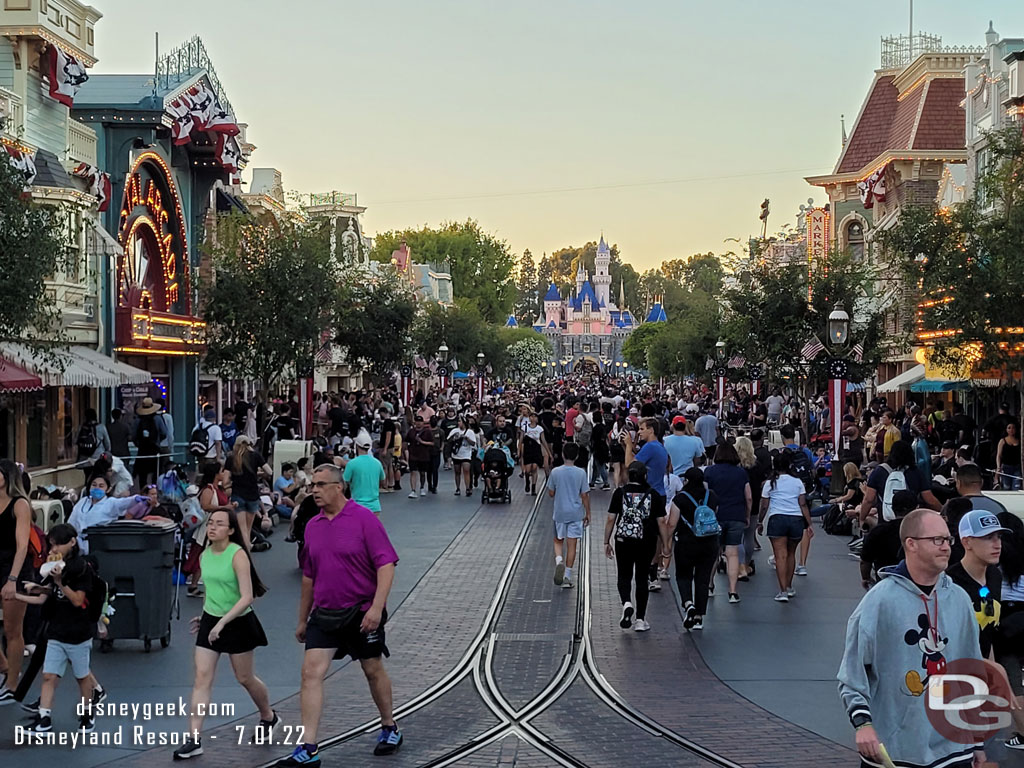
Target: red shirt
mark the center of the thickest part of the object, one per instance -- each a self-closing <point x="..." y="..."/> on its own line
<point x="570" y="421"/>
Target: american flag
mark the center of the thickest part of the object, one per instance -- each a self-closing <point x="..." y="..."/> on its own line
<point x="737" y="362"/>
<point x="419" y="362"/>
<point x="812" y="349"/>
<point x="858" y="352"/>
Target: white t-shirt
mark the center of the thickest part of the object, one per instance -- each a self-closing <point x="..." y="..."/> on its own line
<point x="785" y="498"/>
<point x="534" y="433"/>
<point x="214" y="436"/>
<point x="468" y="442"/>
<point x="774" y="403"/>
<point x="673" y="485"/>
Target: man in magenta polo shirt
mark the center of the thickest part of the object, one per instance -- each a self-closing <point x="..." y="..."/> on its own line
<point x="347" y="573"/>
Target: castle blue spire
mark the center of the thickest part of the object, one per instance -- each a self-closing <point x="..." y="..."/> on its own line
<point x="552" y="294"/>
<point x="657" y="314"/>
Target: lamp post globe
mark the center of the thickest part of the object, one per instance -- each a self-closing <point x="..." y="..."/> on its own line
<point x="442" y="352"/>
<point x="838" y="325"/>
<point x="720" y="349"/>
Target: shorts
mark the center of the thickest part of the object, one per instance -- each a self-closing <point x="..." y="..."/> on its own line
<point x="732" y="532"/>
<point x="709" y="452"/>
<point x="350" y="640"/>
<point x="786" y="526"/>
<point x="7" y="561"/>
<point x="420" y="466"/>
<point x="59" y="654"/>
<point x="387" y="459"/>
<point x="573" y="530"/>
<point x="244" y="505"/>
<point x="460" y="462"/>
<point x="241" y="635"/>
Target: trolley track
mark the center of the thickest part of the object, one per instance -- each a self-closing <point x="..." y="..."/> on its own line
<point x="578" y="664"/>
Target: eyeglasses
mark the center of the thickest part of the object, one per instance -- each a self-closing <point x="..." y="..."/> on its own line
<point x="938" y="541"/>
<point x="322" y="484"/>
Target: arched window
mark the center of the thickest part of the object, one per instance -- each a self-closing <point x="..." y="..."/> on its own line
<point x="855" y="240"/>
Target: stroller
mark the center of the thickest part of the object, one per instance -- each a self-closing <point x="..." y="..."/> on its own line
<point x="497" y="468"/>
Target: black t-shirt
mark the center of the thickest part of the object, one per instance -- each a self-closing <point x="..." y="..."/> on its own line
<point x="339" y="421"/>
<point x="657" y="507"/>
<point x="69" y="624"/>
<point x="967" y="425"/>
<point x="244" y="483"/>
<point x="858" y="492"/>
<point x="505" y="435"/>
<point x="599" y="441"/>
<point x="387" y="427"/>
<point x="986" y="609"/>
<point x="882" y="545"/>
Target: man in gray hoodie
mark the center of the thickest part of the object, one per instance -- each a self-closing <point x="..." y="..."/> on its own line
<point x="905" y="630"/>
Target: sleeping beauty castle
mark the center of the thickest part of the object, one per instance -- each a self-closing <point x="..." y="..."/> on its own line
<point x="587" y="329"/>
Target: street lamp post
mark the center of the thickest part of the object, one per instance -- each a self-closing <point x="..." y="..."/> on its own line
<point x="480" y="376"/>
<point x="442" y="370"/>
<point x="838" y="371"/>
<point x="720" y="374"/>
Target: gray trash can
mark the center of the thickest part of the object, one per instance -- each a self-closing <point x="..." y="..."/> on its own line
<point x="136" y="560"/>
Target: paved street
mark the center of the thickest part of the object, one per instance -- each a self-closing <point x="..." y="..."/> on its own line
<point x="487" y="670"/>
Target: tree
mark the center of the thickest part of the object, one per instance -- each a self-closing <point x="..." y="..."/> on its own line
<point x="526" y="355"/>
<point x="461" y="327"/>
<point x="527" y="291"/>
<point x="32" y="249"/>
<point x="634" y="349"/>
<point x="271" y="297"/>
<point x="964" y="266"/>
<point x="373" y="325"/>
<point x="481" y="265"/>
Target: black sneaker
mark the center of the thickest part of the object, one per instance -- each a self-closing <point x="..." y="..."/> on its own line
<point x="99" y="695"/>
<point x="1014" y="742"/>
<point x="264" y="731"/>
<point x="41" y="725"/>
<point x="691" y="616"/>
<point x="31" y="707"/>
<point x="86" y="723"/>
<point x="388" y="741"/>
<point x="300" y="756"/>
<point x="191" y="748"/>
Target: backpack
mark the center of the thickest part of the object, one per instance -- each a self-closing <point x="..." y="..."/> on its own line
<point x="38" y="550"/>
<point x="836" y="523"/>
<point x="583" y="431"/>
<point x="199" y="442"/>
<point x="96" y="597"/>
<point x="704" y="521"/>
<point x="149" y="434"/>
<point x="803" y="468"/>
<point x="896" y="481"/>
<point x="636" y="508"/>
<point x="87" y="440"/>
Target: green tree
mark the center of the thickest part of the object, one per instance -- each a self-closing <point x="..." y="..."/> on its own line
<point x="461" y="327"/>
<point x="481" y="265"/>
<point x="634" y="349"/>
<point x="528" y="293"/>
<point x="526" y="355"/>
<point x="374" y="324"/>
<point x="271" y="297"/>
<point x="683" y="347"/>
<point x="32" y="249"/>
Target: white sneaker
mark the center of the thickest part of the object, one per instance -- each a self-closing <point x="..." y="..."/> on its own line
<point x="654" y="586"/>
<point x="800" y="570"/>
<point x="663" y="574"/>
<point x="782" y="597"/>
<point x="627" y="616"/>
<point x="559" y="573"/>
<point x="423" y="491"/>
<point x="791" y="592"/>
<point x="412" y="494"/>
<point x="640" y="625"/>
<point x="698" y="623"/>
<point x="566" y="583"/>
<point x="771" y="560"/>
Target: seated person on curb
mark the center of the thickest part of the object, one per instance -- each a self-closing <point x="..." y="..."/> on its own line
<point x="288" y="488"/>
<point x="97" y="508"/>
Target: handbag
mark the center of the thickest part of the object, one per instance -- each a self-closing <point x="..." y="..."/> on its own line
<point x="334" y="619"/>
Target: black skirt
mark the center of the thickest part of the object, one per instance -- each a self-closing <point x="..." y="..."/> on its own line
<point x="241" y="635"/>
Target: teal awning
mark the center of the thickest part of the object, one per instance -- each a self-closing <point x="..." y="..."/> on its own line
<point x="939" y="385"/>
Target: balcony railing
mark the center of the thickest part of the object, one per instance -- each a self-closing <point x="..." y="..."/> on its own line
<point x="81" y="143"/>
<point x="12" y="113"/>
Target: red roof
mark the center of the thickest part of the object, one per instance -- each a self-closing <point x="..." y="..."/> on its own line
<point x="887" y="124"/>
<point x="14" y="378"/>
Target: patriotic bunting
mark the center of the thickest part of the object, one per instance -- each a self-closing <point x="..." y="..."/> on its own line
<point x="873" y="188"/>
<point x="199" y="109"/>
<point x="98" y="181"/>
<point x="65" y="74"/>
<point x="24" y="162"/>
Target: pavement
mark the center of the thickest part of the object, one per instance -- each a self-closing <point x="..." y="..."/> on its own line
<point x="475" y="618"/>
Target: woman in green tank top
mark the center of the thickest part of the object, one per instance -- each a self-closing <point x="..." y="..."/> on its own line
<point x="228" y="625"/>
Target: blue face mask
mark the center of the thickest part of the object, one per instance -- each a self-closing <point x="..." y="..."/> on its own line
<point x="97" y="494"/>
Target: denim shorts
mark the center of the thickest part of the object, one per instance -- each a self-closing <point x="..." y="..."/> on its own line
<point x="59" y="655"/>
<point x="573" y="530"/>
<point x="732" y="532"/>
<point x="252" y="507"/>
<point x="786" y="527"/>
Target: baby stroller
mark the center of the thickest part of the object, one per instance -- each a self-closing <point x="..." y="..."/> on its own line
<point x="497" y="467"/>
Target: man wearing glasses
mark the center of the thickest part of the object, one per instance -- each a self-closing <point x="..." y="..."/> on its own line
<point x="346" y="577"/>
<point x="905" y="629"/>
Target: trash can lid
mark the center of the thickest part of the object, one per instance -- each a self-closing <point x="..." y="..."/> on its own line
<point x="133" y="527"/>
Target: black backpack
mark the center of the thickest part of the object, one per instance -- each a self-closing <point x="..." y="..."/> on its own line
<point x="199" y="442"/>
<point x="836" y="523"/>
<point x="803" y="468"/>
<point x="87" y="440"/>
<point x="97" y="596"/>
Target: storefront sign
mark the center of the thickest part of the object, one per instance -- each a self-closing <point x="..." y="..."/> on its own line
<point x="818" y="223"/>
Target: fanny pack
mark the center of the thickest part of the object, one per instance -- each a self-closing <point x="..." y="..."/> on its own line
<point x="334" y="619"/>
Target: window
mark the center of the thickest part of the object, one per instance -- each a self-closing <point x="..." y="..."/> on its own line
<point x="855" y="240"/>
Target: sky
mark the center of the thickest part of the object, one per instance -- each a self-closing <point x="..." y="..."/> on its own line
<point x="661" y="123"/>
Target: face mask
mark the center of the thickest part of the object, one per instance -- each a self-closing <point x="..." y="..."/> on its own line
<point x="97" y="494"/>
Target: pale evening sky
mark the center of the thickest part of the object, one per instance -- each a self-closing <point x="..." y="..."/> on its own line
<point x="663" y="123"/>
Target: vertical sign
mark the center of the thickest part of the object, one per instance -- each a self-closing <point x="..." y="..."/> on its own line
<point x="818" y="238"/>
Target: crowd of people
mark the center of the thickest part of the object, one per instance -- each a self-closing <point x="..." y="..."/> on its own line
<point x="690" y="487"/>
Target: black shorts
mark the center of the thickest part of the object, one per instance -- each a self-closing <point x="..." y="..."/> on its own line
<point x="350" y="640"/>
<point x="419" y="466"/>
<point x="241" y="635"/>
<point x="7" y="561"/>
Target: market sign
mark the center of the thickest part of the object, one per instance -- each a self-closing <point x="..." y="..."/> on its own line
<point x="818" y="234"/>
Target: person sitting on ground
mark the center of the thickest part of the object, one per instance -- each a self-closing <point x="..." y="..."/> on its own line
<point x="97" y="508"/>
<point x="288" y="487"/>
<point x="882" y="544"/>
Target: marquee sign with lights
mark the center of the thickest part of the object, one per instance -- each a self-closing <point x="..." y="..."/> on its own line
<point x="154" y="292"/>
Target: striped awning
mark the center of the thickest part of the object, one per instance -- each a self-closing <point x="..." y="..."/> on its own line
<point x="78" y="367"/>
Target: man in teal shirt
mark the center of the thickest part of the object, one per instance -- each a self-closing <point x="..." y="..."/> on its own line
<point x="364" y="474"/>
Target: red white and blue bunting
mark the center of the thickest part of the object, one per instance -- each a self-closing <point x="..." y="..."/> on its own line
<point x="873" y="188"/>
<point x="98" y="181"/>
<point x="199" y="109"/>
<point x="65" y="74"/>
<point x="23" y="162"/>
